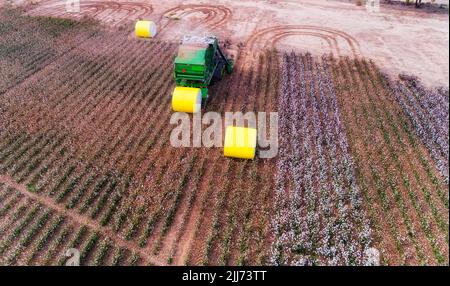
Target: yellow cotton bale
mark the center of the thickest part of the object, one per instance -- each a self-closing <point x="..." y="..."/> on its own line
<point x="145" y="29"/>
<point x="187" y="99"/>
<point x="240" y="142"/>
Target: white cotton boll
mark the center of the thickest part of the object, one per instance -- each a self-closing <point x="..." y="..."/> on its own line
<point x="372" y="257"/>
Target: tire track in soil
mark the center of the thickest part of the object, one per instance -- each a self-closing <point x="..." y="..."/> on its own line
<point x="82" y="220"/>
<point x="214" y="15"/>
<point x="332" y="42"/>
<point x="277" y="33"/>
<point x="106" y="11"/>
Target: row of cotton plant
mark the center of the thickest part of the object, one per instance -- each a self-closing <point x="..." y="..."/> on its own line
<point x="429" y="113"/>
<point x="319" y="218"/>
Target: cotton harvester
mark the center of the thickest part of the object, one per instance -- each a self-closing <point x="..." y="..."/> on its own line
<point x="198" y="64"/>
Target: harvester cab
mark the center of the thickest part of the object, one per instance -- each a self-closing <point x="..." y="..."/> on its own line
<point x="199" y="63"/>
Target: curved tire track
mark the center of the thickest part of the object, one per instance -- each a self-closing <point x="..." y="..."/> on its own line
<point x="104" y="11"/>
<point x="215" y="15"/>
<point x="274" y="34"/>
<point x="331" y="42"/>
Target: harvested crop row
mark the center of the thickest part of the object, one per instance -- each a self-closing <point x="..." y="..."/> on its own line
<point x="38" y="42"/>
<point x="228" y="183"/>
<point x="68" y="175"/>
<point x="36" y="234"/>
<point x="92" y="143"/>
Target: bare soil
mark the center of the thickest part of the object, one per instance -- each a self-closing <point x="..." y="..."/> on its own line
<point x="398" y="38"/>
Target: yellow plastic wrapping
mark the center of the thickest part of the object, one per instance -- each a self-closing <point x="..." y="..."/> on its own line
<point x="187" y="99"/>
<point x="145" y="29"/>
<point x="240" y="142"/>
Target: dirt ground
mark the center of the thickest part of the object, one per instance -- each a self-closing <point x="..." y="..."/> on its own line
<point x="399" y="39"/>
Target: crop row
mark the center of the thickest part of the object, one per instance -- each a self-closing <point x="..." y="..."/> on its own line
<point x="36" y="44"/>
<point x="70" y="179"/>
<point x="92" y="137"/>
<point x="319" y="217"/>
<point x="402" y="191"/>
<point x="429" y="112"/>
<point x="36" y="234"/>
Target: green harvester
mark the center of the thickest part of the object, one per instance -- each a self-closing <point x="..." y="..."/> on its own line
<point x="199" y="63"/>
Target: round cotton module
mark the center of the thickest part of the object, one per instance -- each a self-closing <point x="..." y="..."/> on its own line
<point x="145" y="29"/>
<point x="240" y="142"/>
<point x="187" y="99"/>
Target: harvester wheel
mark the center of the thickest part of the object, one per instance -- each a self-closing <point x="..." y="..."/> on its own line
<point x="218" y="74"/>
